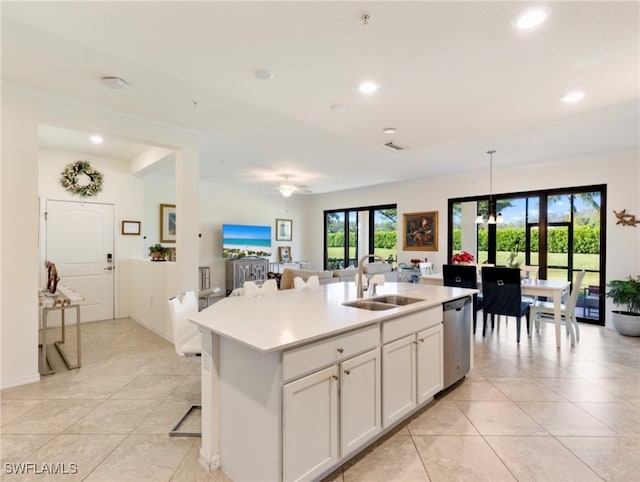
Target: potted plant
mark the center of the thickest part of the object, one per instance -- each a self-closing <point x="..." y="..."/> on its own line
<point x="158" y="252"/>
<point x="626" y="293"/>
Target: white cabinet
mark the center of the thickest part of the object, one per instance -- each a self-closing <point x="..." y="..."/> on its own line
<point x="429" y="358"/>
<point x="399" y="375"/>
<point x="412" y="372"/>
<point x="360" y="414"/>
<point x="322" y="424"/>
<point x="310" y="424"/>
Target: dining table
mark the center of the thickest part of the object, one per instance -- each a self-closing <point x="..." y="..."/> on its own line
<point x="554" y="289"/>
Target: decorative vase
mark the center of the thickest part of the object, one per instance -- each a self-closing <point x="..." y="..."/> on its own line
<point x="626" y="323"/>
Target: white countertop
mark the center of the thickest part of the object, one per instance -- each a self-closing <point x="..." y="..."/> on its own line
<point x="294" y="317"/>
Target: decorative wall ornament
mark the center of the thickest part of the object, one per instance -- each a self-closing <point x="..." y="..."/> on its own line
<point x="70" y="179"/>
<point x="626" y="219"/>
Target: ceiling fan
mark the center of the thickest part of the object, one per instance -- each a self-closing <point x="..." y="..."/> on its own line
<point x="287" y="188"/>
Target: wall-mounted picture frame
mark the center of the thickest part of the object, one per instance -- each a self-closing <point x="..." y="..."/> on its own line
<point x="284" y="253"/>
<point x="131" y="228"/>
<point x="420" y="231"/>
<point x="167" y="223"/>
<point x="284" y="229"/>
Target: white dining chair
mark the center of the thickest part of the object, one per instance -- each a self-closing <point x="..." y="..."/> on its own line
<point x="300" y="284"/>
<point x="529" y="272"/>
<point x="187" y="342"/>
<point x="426" y="268"/>
<point x="269" y="287"/>
<point x="568" y="310"/>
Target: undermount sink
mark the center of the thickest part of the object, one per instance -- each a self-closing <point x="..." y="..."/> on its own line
<point x="369" y="305"/>
<point x="380" y="303"/>
<point x="396" y="300"/>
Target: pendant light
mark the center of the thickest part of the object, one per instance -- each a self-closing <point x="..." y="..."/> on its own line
<point x="493" y="219"/>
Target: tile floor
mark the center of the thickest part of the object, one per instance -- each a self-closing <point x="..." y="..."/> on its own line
<point x="527" y="412"/>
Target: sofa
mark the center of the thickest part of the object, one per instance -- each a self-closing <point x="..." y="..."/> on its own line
<point x="335" y="276"/>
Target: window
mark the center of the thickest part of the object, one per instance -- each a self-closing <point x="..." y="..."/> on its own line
<point x="353" y="232"/>
<point x="562" y="231"/>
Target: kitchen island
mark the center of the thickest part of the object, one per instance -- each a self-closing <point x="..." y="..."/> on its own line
<point x="295" y="384"/>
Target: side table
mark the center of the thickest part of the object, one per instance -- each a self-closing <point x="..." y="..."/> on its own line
<point x="63" y="299"/>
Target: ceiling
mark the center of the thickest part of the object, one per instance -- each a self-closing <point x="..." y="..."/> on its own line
<point x="456" y="79"/>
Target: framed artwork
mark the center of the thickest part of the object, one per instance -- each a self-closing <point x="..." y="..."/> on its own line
<point x="167" y="223"/>
<point x="131" y="228"/>
<point x="420" y="231"/>
<point x="284" y="253"/>
<point x="284" y="228"/>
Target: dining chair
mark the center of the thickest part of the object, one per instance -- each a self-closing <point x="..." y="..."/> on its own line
<point x="269" y="287"/>
<point x="567" y="311"/>
<point x="426" y="268"/>
<point x="502" y="295"/>
<point x="300" y="284"/>
<point x="463" y="276"/>
<point x="187" y="342"/>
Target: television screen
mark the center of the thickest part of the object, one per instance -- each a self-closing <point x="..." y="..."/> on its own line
<point x="240" y="240"/>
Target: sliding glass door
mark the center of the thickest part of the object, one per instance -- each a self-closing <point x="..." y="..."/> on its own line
<point x="561" y="231"/>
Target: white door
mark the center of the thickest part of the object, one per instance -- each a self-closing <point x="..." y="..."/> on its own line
<point x="360" y="414"/>
<point x="399" y="375"/>
<point x="79" y="240"/>
<point x="430" y="373"/>
<point x="310" y="425"/>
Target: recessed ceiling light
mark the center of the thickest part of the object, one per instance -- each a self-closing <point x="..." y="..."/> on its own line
<point x="572" y="97"/>
<point x="114" y="83"/>
<point x="368" y="87"/>
<point x="96" y="139"/>
<point x="532" y="18"/>
<point x="339" y="108"/>
<point x="264" y="74"/>
<point x="389" y="130"/>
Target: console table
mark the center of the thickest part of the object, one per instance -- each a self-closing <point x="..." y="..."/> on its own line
<point x="63" y="299"/>
<point x="279" y="267"/>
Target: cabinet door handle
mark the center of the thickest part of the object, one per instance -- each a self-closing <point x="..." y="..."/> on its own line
<point x="335" y="377"/>
<point x="340" y="350"/>
<point x="414" y="342"/>
<point x="347" y="372"/>
<point x="421" y="340"/>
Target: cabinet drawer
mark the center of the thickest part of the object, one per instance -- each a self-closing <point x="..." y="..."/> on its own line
<point x="412" y="323"/>
<point x="311" y="357"/>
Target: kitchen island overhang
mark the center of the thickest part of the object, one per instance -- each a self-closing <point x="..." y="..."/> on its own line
<point x="245" y="339"/>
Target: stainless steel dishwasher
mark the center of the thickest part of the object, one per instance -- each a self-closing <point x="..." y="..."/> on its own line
<point x="456" y="340"/>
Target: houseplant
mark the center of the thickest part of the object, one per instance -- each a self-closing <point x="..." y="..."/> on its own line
<point x="626" y="293"/>
<point x="158" y="252"/>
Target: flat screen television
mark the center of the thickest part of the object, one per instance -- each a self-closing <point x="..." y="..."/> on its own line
<point x="240" y="240"/>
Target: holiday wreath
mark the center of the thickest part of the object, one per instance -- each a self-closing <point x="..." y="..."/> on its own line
<point x="69" y="179"/>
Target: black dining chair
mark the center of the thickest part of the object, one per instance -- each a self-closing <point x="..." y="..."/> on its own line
<point x="463" y="276"/>
<point x="502" y="295"/>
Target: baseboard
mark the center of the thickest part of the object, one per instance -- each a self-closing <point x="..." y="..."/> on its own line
<point x="15" y="382"/>
<point x="152" y="329"/>
<point x="209" y="463"/>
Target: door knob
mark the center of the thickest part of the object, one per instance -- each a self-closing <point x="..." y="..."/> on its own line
<point x="109" y="268"/>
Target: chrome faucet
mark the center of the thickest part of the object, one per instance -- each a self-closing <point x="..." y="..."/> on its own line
<point x="361" y="271"/>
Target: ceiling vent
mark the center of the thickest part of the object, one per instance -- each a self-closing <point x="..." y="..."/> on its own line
<point x="392" y="146"/>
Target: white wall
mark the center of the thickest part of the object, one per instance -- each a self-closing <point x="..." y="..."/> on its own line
<point x="19" y="243"/>
<point x="220" y="205"/>
<point x="620" y="173"/>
